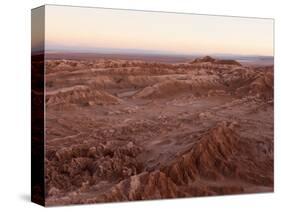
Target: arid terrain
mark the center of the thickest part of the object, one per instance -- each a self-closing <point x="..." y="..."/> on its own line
<point x="121" y="130"/>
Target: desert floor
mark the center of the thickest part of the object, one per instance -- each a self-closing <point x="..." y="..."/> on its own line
<point x="120" y="130"/>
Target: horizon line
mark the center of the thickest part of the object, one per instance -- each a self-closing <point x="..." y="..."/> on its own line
<point x="125" y="51"/>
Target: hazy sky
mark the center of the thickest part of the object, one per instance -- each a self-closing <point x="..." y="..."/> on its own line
<point x="78" y="28"/>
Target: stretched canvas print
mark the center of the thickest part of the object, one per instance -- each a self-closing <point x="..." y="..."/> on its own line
<point x="140" y="105"/>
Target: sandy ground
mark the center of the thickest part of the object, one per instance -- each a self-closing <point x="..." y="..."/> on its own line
<point x="121" y="130"/>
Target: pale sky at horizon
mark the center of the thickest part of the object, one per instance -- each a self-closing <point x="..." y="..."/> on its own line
<point x="75" y="28"/>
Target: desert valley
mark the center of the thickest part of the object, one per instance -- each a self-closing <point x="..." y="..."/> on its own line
<point x="129" y="129"/>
